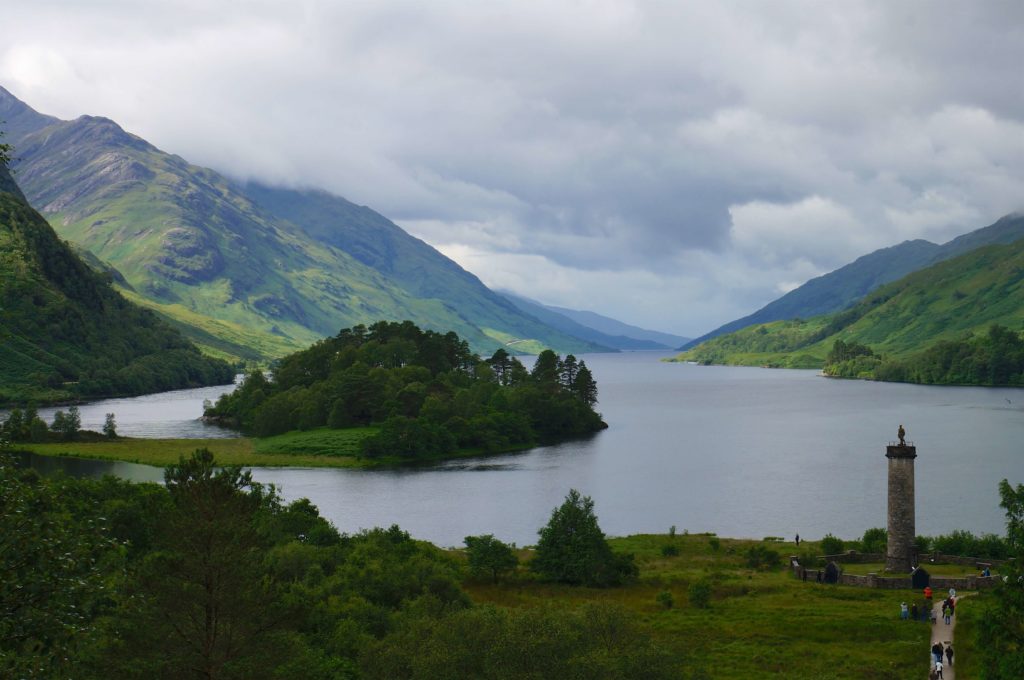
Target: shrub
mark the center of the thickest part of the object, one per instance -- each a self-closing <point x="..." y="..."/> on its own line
<point x="487" y="555"/>
<point x="714" y="543"/>
<point x="760" y="557"/>
<point x="669" y="550"/>
<point x="699" y="594"/>
<point x="664" y="598"/>
<point x="830" y="545"/>
<point x="874" y="540"/>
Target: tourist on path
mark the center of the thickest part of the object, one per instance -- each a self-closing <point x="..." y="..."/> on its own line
<point x="904" y="612"/>
<point x="938" y="668"/>
<point x="937" y="652"/>
<point x="949" y="654"/>
<point x="945" y="612"/>
<point x="913" y="611"/>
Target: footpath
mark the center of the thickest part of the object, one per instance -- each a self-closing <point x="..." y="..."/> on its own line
<point x="943" y="634"/>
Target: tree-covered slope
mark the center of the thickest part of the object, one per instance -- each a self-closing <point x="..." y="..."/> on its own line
<point x="246" y="271"/>
<point x="839" y="289"/>
<point x="941" y="303"/>
<point x="65" y="333"/>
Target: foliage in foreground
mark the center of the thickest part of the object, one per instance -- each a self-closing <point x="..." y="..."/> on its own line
<point x="425" y="391"/>
<point x="1000" y="629"/>
<point x="212" y="576"/>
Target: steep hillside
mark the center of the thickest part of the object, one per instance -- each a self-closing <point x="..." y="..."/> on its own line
<point x="944" y="302"/>
<point x="839" y="289"/>
<point x="65" y="333"/>
<point x="246" y="272"/>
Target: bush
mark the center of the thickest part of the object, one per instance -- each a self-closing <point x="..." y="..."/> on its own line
<point x="760" y="557"/>
<point x="487" y="555"/>
<point x="714" y="543"/>
<point x="664" y="598"/>
<point x="830" y="545"/>
<point x="669" y="550"/>
<point x="699" y="594"/>
<point x="874" y="541"/>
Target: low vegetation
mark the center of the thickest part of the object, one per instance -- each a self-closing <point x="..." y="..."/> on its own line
<point x="107" y="576"/>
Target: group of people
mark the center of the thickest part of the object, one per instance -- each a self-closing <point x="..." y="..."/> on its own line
<point x="937" y="652"/>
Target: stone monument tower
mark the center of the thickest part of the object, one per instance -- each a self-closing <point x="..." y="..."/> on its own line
<point x="899" y="553"/>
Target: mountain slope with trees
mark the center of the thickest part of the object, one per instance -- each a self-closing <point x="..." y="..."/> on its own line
<point x="839" y="289"/>
<point x="247" y="271"/>
<point x="967" y="311"/>
<point x="67" y="334"/>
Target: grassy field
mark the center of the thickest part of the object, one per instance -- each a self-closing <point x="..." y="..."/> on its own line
<point x="161" y="452"/>
<point x="759" y="623"/>
<point x="321" y="447"/>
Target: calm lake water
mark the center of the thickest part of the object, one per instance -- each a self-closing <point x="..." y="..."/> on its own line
<point x="743" y="452"/>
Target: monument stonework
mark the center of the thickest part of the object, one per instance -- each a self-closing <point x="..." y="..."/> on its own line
<point x="899" y="553"/>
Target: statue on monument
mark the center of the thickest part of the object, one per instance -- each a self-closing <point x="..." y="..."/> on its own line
<point x="901" y="434"/>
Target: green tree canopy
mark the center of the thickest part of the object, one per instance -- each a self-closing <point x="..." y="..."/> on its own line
<point x="487" y="555"/>
<point x="572" y="548"/>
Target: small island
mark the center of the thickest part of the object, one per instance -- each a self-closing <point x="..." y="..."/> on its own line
<point x="392" y="392"/>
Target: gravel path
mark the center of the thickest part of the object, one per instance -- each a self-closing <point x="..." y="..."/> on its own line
<point x="944" y="634"/>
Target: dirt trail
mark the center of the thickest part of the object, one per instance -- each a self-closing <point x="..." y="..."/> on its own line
<point x="944" y="634"/>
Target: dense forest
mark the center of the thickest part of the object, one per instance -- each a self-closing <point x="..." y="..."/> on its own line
<point x="212" y="576"/>
<point x="66" y="334"/>
<point x="995" y="358"/>
<point x="426" y="392"/>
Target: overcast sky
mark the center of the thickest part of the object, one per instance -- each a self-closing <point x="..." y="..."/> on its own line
<point x="672" y="164"/>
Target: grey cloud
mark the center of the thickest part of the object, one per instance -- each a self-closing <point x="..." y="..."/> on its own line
<point x="607" y="139"/>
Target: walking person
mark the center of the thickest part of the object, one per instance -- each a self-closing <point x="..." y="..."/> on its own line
<point x="949" y="654"/>
<point x="937" y="652"/>
<point x="945" y="612"/>
<point x="913" y="611"/>
<point x="938" y="668"/>
<point x="904" y="612"/>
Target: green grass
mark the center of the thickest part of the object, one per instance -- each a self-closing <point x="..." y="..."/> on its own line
<point x="314" y="448"/>
<point x="965" y="647"/>
<point x="162" y="452"/>
<point x="319" y="442"/>
<point x="759" y="624"/>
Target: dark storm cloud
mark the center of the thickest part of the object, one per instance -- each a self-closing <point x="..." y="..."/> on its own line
<point x="701" y="157"/>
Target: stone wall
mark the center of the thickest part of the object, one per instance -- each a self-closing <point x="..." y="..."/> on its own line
<point x="939" y="584"/>
<point x="854" y="557"/>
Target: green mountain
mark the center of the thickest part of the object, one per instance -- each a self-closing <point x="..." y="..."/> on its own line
<point x="841" y="288"/>
<point x="566" y="320"/>
<point x="247" y="271"/>
<point x="945" y="302"/>
<point x="65" y="333"/>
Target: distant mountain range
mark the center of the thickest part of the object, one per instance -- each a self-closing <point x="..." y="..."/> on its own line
<point x="839" y="289"/>
<point x="597" y="328"/>
<point x="947" y="301"/>
<point x="66" y="334"/>
<point x="247" y="271"/>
